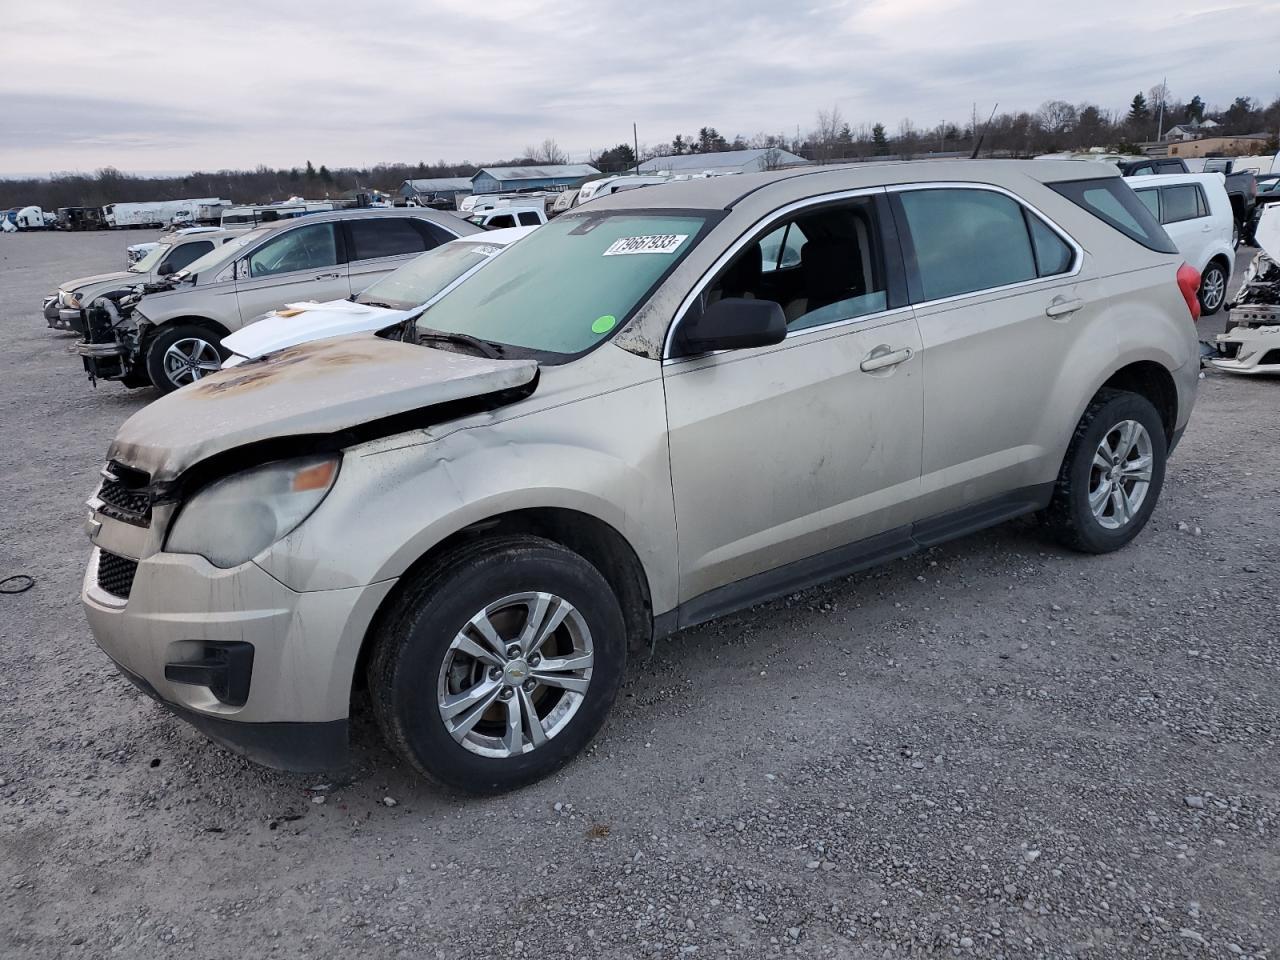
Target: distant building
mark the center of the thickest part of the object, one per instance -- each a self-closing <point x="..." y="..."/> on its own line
<point x="435" y="190"/>
<point x="1191" y="130"/>
<point x="1241" y="146"/>
<point x="554" y="177"/>
<point x="727" y="161"/>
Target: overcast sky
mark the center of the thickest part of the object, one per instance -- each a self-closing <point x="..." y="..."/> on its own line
<point x="160" y="86"/>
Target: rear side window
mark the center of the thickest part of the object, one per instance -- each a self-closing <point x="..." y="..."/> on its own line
<point x="967" y="240"/>
<point x="385" y="237"/>
<point x="529" y="219"/>
<point x="1053" y="255"/>
<point x="188" y="254"/>
<point x="1182" y="202"/>
<point x="1151" y="199"/>
<point x="502" y="221"/>
<point x="1111" y="201"/>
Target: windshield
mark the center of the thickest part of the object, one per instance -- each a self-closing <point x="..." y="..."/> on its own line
<point x="218" y="256"/>
<point x="569" y="284"/>
<point x="148" y="263"/>
<point x="425" y="276"/>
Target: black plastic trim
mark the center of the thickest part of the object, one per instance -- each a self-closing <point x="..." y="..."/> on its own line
<point x="850" y="558"/>
<point x="296" y="747"/>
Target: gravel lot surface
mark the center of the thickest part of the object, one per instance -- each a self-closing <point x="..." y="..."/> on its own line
<point x="995" y="749"/>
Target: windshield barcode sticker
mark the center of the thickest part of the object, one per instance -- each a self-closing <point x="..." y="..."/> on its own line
<point x="663" y="243"/>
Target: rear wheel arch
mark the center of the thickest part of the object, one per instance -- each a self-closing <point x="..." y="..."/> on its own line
<point x="1153" y="381"/>
<point x="593" y="539"/>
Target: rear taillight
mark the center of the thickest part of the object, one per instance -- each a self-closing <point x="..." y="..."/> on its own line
<point x="1189" y="284"/>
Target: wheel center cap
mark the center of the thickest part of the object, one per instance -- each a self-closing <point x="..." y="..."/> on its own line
<point x="516" y="671"/>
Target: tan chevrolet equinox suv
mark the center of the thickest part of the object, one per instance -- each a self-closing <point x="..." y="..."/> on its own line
<point x="659" y="408"/>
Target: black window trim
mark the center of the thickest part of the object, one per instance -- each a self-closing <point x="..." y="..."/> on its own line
<point x="182" y="246"/>
<point x="914" y="286"/>
<point x="895" y="270"/>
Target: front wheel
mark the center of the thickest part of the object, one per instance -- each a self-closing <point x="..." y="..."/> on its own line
<point x="1213" y="289"/>
<point x="182" y="354"/>
<point x="498" y="664"/>
<point x="1111" y="476"/>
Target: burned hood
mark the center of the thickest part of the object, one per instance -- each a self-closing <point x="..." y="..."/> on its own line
<point x="345" y="386"/>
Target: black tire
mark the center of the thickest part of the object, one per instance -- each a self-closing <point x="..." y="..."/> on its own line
<point x="414" y="636"/>
<point x="1069" y="516"/>
<point x="1213" y="289"/>
<point x="159" y="345"/>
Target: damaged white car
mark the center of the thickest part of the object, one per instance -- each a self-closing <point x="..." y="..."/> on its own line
<point x="1251" y="344"/>
<point x="399" y="297"/>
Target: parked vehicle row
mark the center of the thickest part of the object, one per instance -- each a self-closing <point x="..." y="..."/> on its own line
<point x="168" y="331"/>
<point x="476" y="521"/>
<point x="1241" y="185"/>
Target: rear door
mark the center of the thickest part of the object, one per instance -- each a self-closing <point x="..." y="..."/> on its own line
<point x="378" y="245"/>
<point x="997" y="296"/>
<point x="303" y="262"/>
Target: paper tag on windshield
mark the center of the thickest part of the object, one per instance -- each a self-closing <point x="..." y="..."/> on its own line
<point x="662" y="243"/>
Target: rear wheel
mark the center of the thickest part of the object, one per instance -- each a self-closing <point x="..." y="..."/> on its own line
<point x="1213" y="289"/>
<point x="182" y="354"/>
<point x="1111" y="476"/>
<point x="498" y="664"/>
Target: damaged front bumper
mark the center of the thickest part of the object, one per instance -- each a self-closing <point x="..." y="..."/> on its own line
<point x="252" y="664"/>
<point x="1249" y="350"/>
<point x="61" y="317"/>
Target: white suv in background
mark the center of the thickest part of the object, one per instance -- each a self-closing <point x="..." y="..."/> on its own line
<point x="1196" y="213"/>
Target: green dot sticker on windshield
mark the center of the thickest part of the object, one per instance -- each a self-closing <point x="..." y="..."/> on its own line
<point x="604" y="324"/>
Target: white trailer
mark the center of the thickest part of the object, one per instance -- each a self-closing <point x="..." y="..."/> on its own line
<point x="159" y="213"/>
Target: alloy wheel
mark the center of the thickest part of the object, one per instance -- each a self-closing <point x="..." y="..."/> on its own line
<point x="189" y="359"/>
<point x="1213" y="289"/>
<point x="515" y="674"/>
<point x="1120" y="474"/>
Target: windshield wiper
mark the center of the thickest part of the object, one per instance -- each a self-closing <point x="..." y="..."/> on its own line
<point x="485" y="348"/>
<point x="373" y="303"/>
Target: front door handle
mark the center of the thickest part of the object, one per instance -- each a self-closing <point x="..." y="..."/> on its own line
<point x="327" y="276"/>
<point x="882" y="358"/>
<point x="1060" y="307"/>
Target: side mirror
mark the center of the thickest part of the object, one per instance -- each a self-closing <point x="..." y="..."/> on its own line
<point x="165" y="269"/>
<point x="734" y="323"/>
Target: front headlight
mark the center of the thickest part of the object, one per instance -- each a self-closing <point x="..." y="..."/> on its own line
<point x="234" y="520"/>
<point x="71" y="300"/>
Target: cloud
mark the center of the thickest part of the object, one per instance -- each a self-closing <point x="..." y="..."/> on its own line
<point x="237" y="83"/>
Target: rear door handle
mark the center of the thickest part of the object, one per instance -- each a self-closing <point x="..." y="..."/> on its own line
<point x="882" y="357"/>
<point x="327" y="276"/>
<point x="1059" y="307"/>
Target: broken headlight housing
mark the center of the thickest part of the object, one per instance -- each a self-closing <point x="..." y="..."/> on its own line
<point x="234" y="519"/>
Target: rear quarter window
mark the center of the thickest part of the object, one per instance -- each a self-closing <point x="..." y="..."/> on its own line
<point x="1112" y="201"/>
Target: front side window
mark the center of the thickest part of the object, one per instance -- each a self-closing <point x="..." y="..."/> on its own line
<point x="501" y="221"/>
<point x="185" y="255"/>
<point x="1151" y="200"/>
<point x="372" y="239"/>
<point x="967" y="240"/>
<point x="568" y="285"/>
<point x="529" y="219"/>
<point x="312" y="247"/>
<point x="1181" y="202"/>
<point x="821" y="266"/>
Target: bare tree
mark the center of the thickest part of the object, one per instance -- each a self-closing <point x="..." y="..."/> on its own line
<point x="1057" y="117"/>
<point x="824" y="137"/>
<point x="549" y="153"/>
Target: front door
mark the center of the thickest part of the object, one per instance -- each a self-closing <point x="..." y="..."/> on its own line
<point x="299" y="263"/>
<point x="796" y="451"/>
